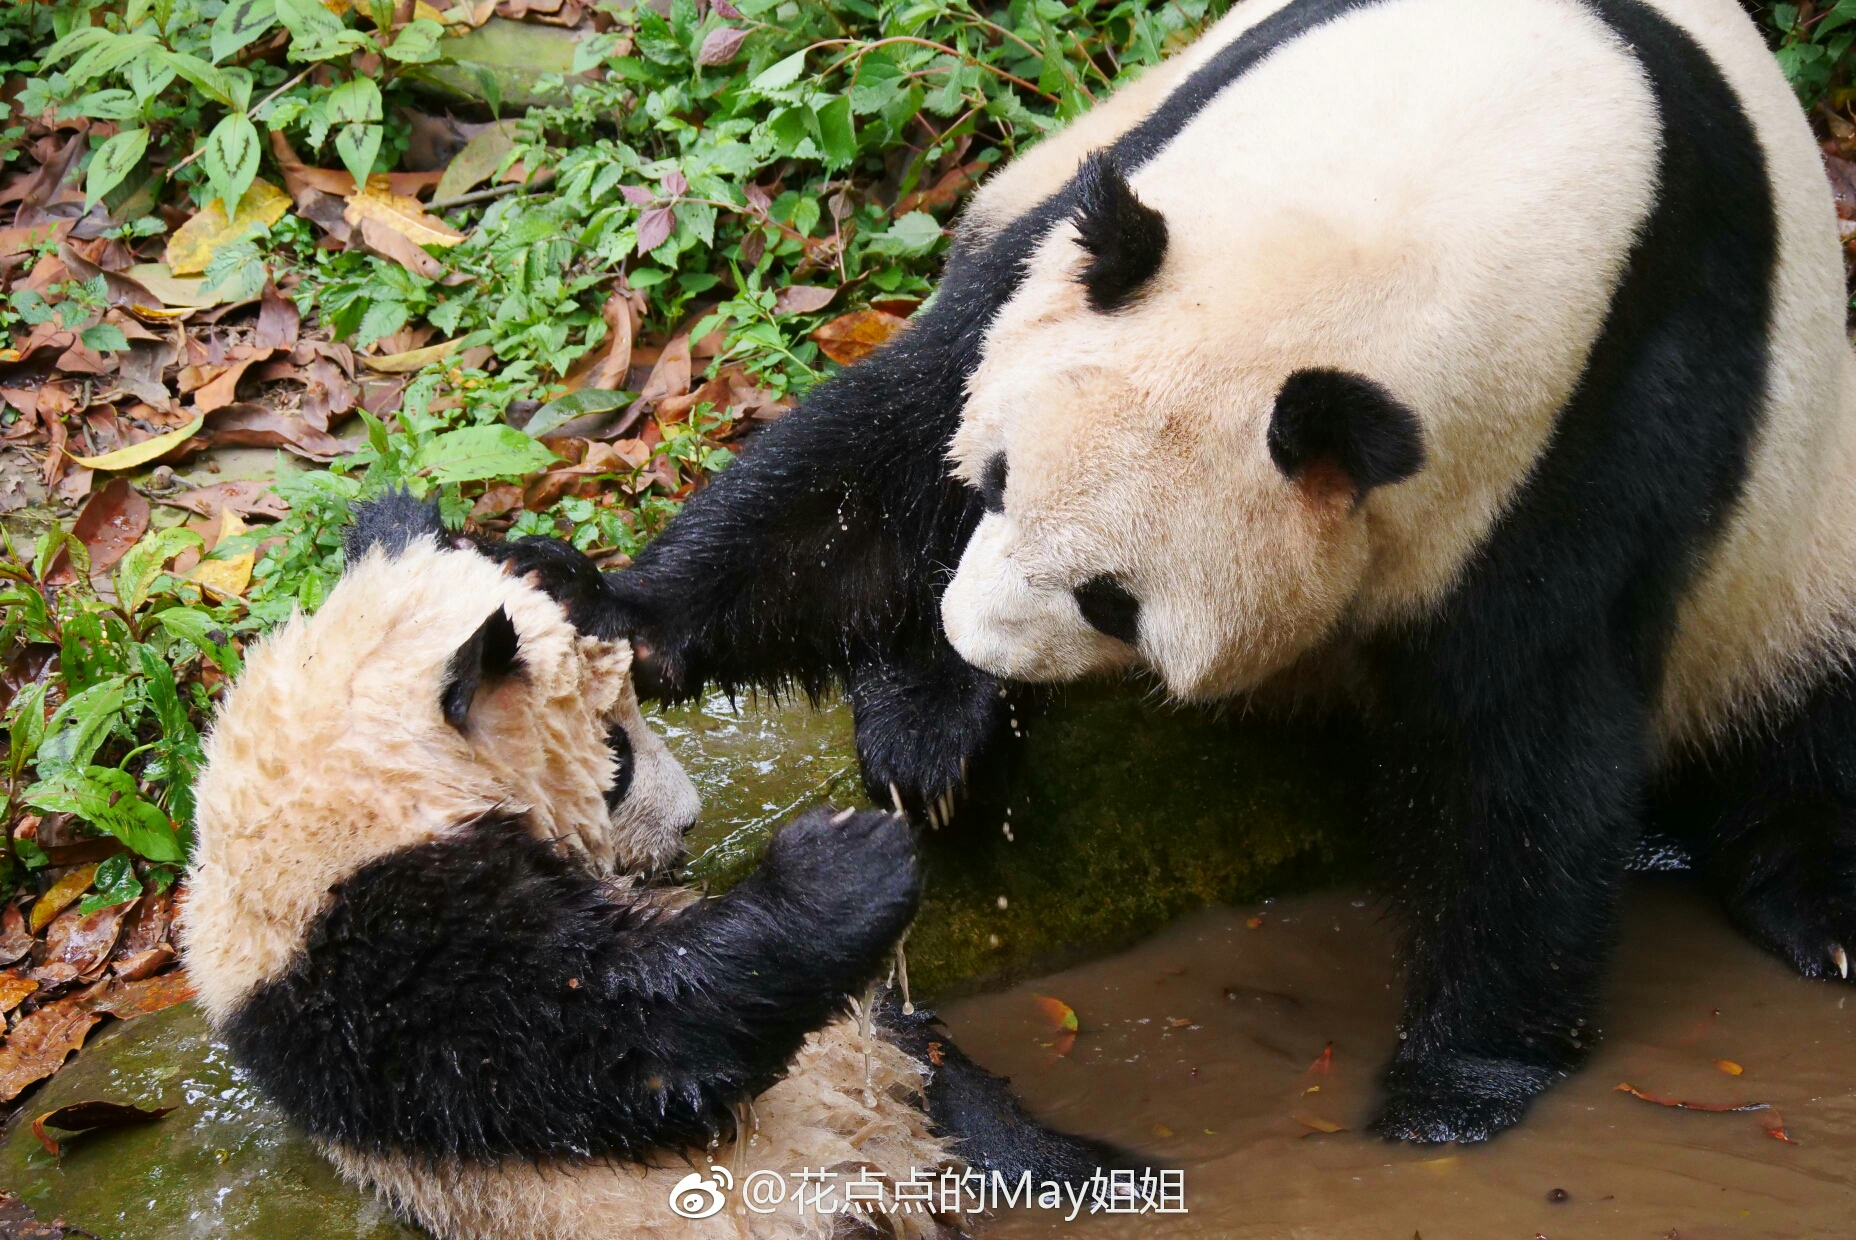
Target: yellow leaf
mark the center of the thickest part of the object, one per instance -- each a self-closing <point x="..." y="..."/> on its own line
<point x="412" y="359"/>
<point x="1162" y="1131"/>
<point x="402" y="214"/>
<point x="1729" y="1067"/>
<point x="13" y="990"/>
<point x="1318" y="1124"/>
<point x="59" y="897"/>
<point x="194" y="245"/>
<point x="144" y="452"/>
<point x="230" y="576"/>
<point x="421" y="9"/>
<point x="177" y="295"/>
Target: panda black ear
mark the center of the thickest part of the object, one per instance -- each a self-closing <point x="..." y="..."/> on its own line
<point x="491" y="653"/>
<point x="1331" y="428"/>
<point x="392" y="521"/>
<point x="1123" y="236"/>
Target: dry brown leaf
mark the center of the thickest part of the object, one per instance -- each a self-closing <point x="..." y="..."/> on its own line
<point x="59" y="896"/>
<point x="39" y="1044"/>
<point x="128" y="1000"/>
<point x="222" y="389"/>
<point x="252" y="425"/>
<point x="1318" y="1124"/>
<point x="608" y="370"/>
<point x="19" y="240"/>
<point x="278" y="321"/>
<point x="411" y="359"/>
<point x="134" y="966"/>
<point x="670" y="376"/>
<point x="327" y="395"/>
<point x="400" y="248"/>
<point x="15" y="939"/>
<point x="802" y="299"/>
<point x="112" y="521"/>
<point x="14" y="989"/>
<point x="247" y="499"/>
<point x="852" y="337"/>
<point x="93" y="1116"/>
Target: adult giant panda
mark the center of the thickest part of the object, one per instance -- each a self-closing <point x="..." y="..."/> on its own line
<point x="1480" y="366"/>
<point x="413" y="915"/>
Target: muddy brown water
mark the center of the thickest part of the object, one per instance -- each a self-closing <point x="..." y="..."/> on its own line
<point x="1200" y="1047"/>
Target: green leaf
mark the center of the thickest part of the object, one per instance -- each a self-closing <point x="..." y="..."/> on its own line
<point x="837" y="136"/>
<point x="231" y="159"/>
<point x="478" y="452"/>
<point x="358" y="145"/>
<point x="316" y="33"/>
<point x="239" y="23"/>
<point x="142" y="564"/>
<point x="416" y="43"/>
<point x="558" y="413"/>
<point x="115" y="883"/>
<point x="354" y="102"/>
<point x="915" y="233"/>
<point x="104" y="338"/>
<point x="149" y="76"/>
<point x="25" y="725"/>
<point x="109" y="800"/>
<point x="204" y="632"/>
<point x="780" y="74"/>
<point x="113" y="161"/>
<point x="78" y="728"/>
<point x="212" y="82"/>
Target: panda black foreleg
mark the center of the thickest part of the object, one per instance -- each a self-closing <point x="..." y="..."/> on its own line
<point x="921" y="726"/>
<point x="1512" y="816"/>
<point x="1771" y="817"/>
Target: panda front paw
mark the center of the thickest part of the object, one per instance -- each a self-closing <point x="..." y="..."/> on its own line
<point x="847" y="881"/>
<point x="1456" y="1098"/>
<point x="922" y="728"/>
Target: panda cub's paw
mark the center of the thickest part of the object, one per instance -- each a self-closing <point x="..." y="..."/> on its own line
<point x="848" y="880"/>
<point x="1457" y="1098"/>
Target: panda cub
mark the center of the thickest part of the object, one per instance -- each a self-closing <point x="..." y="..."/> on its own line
<point x="415" y="917"/>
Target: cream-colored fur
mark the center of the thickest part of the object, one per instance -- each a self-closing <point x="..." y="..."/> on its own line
<point x="1138" y="439"/>
<point x="821" y="1117"/>
<point x="1466" y="263"/>
<point x="332" y="751"/>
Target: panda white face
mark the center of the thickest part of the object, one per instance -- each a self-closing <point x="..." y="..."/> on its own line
<point x="1144" y="507"/>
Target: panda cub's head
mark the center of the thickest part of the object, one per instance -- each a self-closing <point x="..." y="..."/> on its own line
<point x="1175" y="472"/>
<point x="430" y="690"/>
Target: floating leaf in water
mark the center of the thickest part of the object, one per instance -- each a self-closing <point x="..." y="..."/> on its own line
<point x="95" y="1116"/>
<point x="1324" y="1062"/>
<point x="1060" y="1014"/>
<point x="1729" y="1067"/>
<point x="1255" y="923"/>
<point x="1318" y="1124"/>
<point x="1719" y="1108"/>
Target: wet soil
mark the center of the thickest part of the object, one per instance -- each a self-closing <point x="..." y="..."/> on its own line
<point x="1204" y="1047"/>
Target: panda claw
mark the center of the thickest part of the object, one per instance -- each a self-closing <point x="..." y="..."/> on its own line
<point x="1842" y="960"/>
<point x="895" y="796"/>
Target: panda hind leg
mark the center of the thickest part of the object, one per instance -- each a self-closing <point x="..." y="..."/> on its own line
<point x="1779" y="844"/>
<point x="988" y="1125"/>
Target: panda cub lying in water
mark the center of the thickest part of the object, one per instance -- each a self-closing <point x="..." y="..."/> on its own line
<point x="414" y="917"/>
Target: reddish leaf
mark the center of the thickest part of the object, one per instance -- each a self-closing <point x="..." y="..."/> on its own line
<point x="852" y="337"/>
<point x="1714" y="1107"/>
<point x="39" y="1044"/>
<point x="14" y="989"/>
<point x="803" y="299"/>
<point x="112" y="521"/>
<point x="278" y="321"/>
<point x="1060" y="1014"/>
<point x="676" y="184"/>
<point x="637" y="195"/>
<point x="653" y="229"/>
<point x="720" y="45"/>
<point x="94" y="1116"/>
<point x="128" y="1000"/>
<point x="254" y="426"/>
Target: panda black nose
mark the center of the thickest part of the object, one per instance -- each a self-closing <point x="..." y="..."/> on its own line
<point x="1110" y="609"/>
<point x="992" y="483"/>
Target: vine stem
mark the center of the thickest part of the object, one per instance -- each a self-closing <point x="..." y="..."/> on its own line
<point x="943" y="48"/>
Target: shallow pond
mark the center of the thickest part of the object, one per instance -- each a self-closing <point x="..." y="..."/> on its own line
<point x="1204" y="1046"/>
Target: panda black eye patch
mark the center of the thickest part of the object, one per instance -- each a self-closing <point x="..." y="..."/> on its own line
<point x="992" y="483"/>
<point x="620" y="743"/>
<point x="1110" y="609"/>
